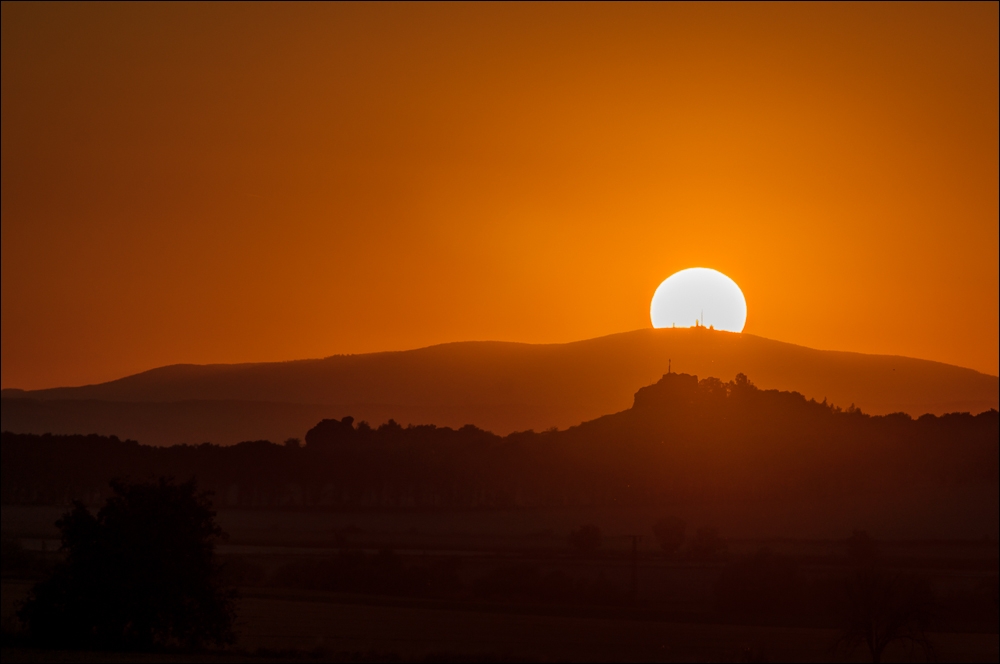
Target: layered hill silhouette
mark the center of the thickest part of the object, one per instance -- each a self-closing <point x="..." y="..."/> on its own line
<point x="683" y="442"/>
<point x="498" y="386"/>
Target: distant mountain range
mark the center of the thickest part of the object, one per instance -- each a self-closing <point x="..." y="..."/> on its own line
<point x="498" y="386"/>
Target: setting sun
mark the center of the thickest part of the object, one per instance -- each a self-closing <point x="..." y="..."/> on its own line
<point x="371" y="281"/>
<point x="699" y="296"/>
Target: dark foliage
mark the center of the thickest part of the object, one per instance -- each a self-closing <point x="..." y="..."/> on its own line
<point x="139" y="575"/>
<point x="882" y="606"/>
<point x="682" y="440"/>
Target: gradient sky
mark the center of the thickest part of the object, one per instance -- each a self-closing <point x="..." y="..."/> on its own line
<point x="225" y="183"/>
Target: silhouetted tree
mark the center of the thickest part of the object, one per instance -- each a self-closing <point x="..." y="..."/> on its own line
<point x="141" y="574"/>
<point x="669" y="533"/>
<point x="330" y="432"/>
<point x="667" y="447"/>
<point x="586" y="539"/>
<point x="882" y="607"/>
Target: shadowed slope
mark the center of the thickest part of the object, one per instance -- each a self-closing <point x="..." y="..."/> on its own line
<point x="684" y="442"/>
<point x="499" y="386"/>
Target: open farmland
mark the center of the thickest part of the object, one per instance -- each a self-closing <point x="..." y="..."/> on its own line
<point x="322" y="624"/>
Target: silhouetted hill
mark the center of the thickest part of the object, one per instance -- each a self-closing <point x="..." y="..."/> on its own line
<point x="683" y="441"/>
<point x="499" y="386"/>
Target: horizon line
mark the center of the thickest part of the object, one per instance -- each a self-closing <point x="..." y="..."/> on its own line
<point x="665" y="330"/>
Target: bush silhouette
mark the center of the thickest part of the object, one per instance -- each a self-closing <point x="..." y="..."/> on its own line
<point x="140" y="575"/>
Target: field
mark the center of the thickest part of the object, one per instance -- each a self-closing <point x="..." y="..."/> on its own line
<point x="668" y="615"/>
<point x="327" y="625"/>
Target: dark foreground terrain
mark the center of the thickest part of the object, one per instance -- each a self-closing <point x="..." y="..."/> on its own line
<point x="278" y="628"/>
<point x="710" y="521"/>
<point x="494" y="586"/>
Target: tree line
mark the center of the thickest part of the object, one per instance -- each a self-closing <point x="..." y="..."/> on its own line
<point x="683" y="438"/>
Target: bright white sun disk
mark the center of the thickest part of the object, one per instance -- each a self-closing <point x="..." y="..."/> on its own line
<point x="699" y="296"/>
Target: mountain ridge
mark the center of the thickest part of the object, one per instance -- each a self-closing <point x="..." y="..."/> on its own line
<point x="508" y="386"/>
<point x="45" y="392"/>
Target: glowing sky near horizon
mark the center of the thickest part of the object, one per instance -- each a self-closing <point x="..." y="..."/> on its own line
<point x="220" y="182"/>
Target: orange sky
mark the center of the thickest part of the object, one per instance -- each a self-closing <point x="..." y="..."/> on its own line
<point x="231" y="183"/>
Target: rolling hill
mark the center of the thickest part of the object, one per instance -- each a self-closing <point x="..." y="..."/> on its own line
<point x="498" y="386"/>
<point x="788" y="466"/>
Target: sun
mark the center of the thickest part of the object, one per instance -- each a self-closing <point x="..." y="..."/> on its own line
<point x="699" y="296"/>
